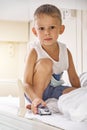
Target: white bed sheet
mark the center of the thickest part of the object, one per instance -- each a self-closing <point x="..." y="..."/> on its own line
<point x="9" y="108"/>
<point x="59" y="121"/>
<point x="74" y="104"/>
<point x="9" y="119"/>
<point x="13" y="122"/>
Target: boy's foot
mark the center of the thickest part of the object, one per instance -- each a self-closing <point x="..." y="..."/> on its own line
<point x="28" y="106"/>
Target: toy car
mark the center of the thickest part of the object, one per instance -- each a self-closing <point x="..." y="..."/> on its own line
<point x="43" y="110"/>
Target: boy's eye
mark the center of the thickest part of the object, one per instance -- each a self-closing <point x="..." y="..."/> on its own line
<point x="41" y="28"/>
<point x="52" y="27"/>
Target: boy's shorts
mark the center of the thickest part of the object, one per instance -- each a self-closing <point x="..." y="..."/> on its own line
<point x="54" y="89"/>
<point x="53" y="92"/>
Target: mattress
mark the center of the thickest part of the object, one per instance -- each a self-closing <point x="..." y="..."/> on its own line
<point x="9" y="118"/>
<point x="14" y="115"/>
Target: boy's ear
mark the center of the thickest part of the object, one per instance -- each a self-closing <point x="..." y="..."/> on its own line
<point x="62" y="28"/>
<point x="34" y="31"/>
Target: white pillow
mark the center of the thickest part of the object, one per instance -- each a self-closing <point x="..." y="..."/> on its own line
<point x="74" y="104"/>
<point x="83" y="79"/>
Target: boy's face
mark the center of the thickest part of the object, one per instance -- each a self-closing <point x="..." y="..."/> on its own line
<point x="47" y="29"/>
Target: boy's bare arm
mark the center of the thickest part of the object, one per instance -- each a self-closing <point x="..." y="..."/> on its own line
<point x="73" y="77"/>
<point x="28" y="74"/>
<point x="28" y="81"/>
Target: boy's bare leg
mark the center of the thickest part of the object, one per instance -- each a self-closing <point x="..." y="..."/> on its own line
<point x="42" y="76"/>
<point x="41" y="79"/>
<point x="67" y="90"/>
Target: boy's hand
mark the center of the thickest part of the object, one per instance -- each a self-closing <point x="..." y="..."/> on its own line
<point x="35" y="104"/>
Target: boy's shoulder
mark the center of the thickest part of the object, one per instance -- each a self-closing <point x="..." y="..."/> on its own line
<point x="33" y="44"/>
<point x="61" y="44"/>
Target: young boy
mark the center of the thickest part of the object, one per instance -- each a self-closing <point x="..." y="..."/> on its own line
<point x="48" y="59"/>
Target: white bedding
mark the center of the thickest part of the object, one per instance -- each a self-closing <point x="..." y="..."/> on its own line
<point x="60" y="121"/>
<point x="9" y="107"/>
<point x="9" y="119"/>
<point x="8" y="114"/>
<point x="74" y="104"/>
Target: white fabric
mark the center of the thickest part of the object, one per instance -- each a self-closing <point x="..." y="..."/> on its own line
<point x="55" y="82"/>
<point x="59" y="121"/>
<point x="62" y="64"/>
<point x="74" y="104"/>
<point x="83" y="79"/>
<point x="68" y="119"/>
<point x="10" y="121"/>
<point x="52" y="105"/>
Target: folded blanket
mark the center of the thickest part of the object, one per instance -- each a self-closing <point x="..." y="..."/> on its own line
<point x="74" y="104"/>
<point x="83" y="79"/>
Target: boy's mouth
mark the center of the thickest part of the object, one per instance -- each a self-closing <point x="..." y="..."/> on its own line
<point x="47" y="39"/>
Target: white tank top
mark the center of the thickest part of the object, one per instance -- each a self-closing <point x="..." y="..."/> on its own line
<point x="58" y="66"/>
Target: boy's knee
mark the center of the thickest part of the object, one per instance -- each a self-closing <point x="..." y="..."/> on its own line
<point x="45" y="65"/>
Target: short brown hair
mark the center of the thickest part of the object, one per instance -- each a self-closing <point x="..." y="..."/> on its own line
<point x="49" y="10"/>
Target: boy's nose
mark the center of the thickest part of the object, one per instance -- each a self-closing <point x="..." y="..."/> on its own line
<point x="47" y="31"/>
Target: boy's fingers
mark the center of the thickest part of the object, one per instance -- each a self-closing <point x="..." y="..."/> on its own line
<point x="35" y="103"/>
<point x="34" y="108"/>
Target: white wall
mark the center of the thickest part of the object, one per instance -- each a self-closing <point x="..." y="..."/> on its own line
<point x="13" y="31"/>
<point x="13" y="43"/>
<point x="11" y="66"/>
<point x="84" y="41"/>
<point x="11" y="59"/>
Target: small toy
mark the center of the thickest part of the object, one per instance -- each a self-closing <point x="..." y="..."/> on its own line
<point x="43" y="110"/>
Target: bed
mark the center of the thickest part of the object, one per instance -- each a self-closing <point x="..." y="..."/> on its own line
<point x="9" y="119"/>
<point x="14" y="115"/>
